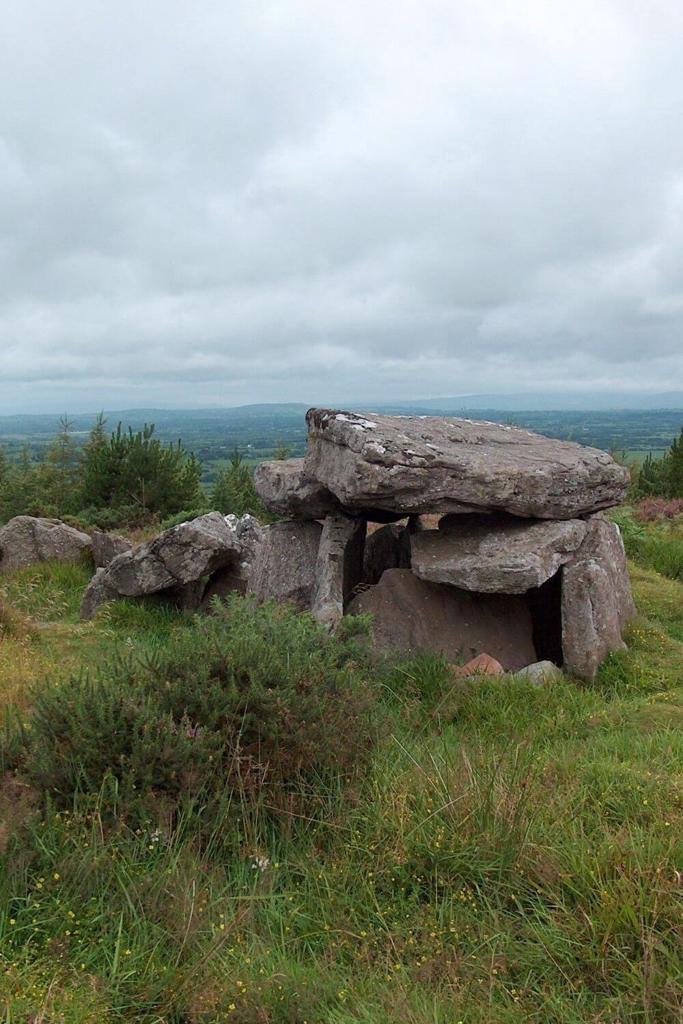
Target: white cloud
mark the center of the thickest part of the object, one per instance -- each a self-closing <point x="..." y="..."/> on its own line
<point x="252" y="202"/>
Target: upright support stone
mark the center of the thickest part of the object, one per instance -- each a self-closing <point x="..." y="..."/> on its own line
<point x="596" y="599"/>
<point x="285" y="563"/>
<point x="339" y="567"/>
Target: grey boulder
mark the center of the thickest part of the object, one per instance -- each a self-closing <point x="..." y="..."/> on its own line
<point x="235" y="578"/>
<point x="495" y="554"/>
<point x="98" y="592"/>
<point x="171" y="562"/>
<point x="597" y="602"/>
<point x="417" y="464"/>
<point x="284" y="564"/>
<point x="540" y="673"/>
<point x="176" y="557"/>
<point x="29" y="540"/>
<point x="286" y="490"/>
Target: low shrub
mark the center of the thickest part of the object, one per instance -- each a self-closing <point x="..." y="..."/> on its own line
<point x="184" y="517"/>
<point x="651" y="510"/>
<point x="116" y="517"/>
<point x="243" y="705"/>
<point x="11" y="622"/>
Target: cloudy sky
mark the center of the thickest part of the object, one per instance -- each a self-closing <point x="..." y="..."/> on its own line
<point x="217" y="202"/>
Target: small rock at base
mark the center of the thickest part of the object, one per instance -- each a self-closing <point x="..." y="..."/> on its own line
<point x="540" y="673"/>
<point x="482" y="665"/>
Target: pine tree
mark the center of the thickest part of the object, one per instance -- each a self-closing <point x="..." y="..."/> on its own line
<point x="234" y="491"/>
<point x="135" y="471"/>
<point x="60" y="473"/>
<point x="674" y="469"/>
<point x="650" y="477"/>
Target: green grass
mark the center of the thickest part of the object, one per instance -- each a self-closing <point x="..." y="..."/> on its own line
<point x="657" y="546"/>
<point x="511" y="855"/>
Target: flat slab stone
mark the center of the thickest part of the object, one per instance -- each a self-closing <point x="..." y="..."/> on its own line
<point x="411" y="615"/>
<point x="418" y="464"/>
<point x="495" y="554"/>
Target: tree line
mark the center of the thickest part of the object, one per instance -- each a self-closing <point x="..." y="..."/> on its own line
<point x="128" y="478"/>
<point x="122" y="478"/>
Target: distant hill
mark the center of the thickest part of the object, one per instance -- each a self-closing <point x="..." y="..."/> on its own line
<point x="257" y="431"/>
<point x="596" y="401"/>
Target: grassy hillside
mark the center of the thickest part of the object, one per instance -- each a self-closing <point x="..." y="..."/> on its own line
<point x="486" y="852"/>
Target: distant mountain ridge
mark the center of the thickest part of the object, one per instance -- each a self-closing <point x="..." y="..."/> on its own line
<point x="596" y="401"/>
<point x="589" y="402"/>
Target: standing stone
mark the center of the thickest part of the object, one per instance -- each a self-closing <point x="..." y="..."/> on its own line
<point x="386" y="548"/>
<point x="412" y="615"/>
<point x="107" y="546"/>
<point x="29" y="540"/>
<point x="339" y="567"/>
<point x="415" y="464"/>
<point x="98" y="592"/>
<point x="284" y="565"/>
<point x="596" y="599"/>
<point x="495" y="554"/>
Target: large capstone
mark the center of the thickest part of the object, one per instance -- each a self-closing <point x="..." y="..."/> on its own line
<point x="285" y="562"/>
<point x="596" y="599"/>
<point x="29" y="540"/>
<point x="412" y="615"/>
<point x="339" y="567"/>
<point x="418" y="464"/>
<point x="496" y="554"/>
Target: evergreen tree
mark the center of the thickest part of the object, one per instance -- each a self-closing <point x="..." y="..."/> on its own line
<point x="650" y="477"/>
<point x="22" y="490"/>
<point x="60" y="473"/>
<point x="136" y="471"/>
<point x="234" y="489"/>
<point x="675" y="468"/>
<point x="663" y="477"/>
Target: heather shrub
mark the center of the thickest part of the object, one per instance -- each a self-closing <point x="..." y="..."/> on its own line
<point x="255" y="700"/>
<point x="650" y="510"/>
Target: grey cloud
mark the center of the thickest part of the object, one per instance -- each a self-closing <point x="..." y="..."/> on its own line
<point x="285" y="201"/>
